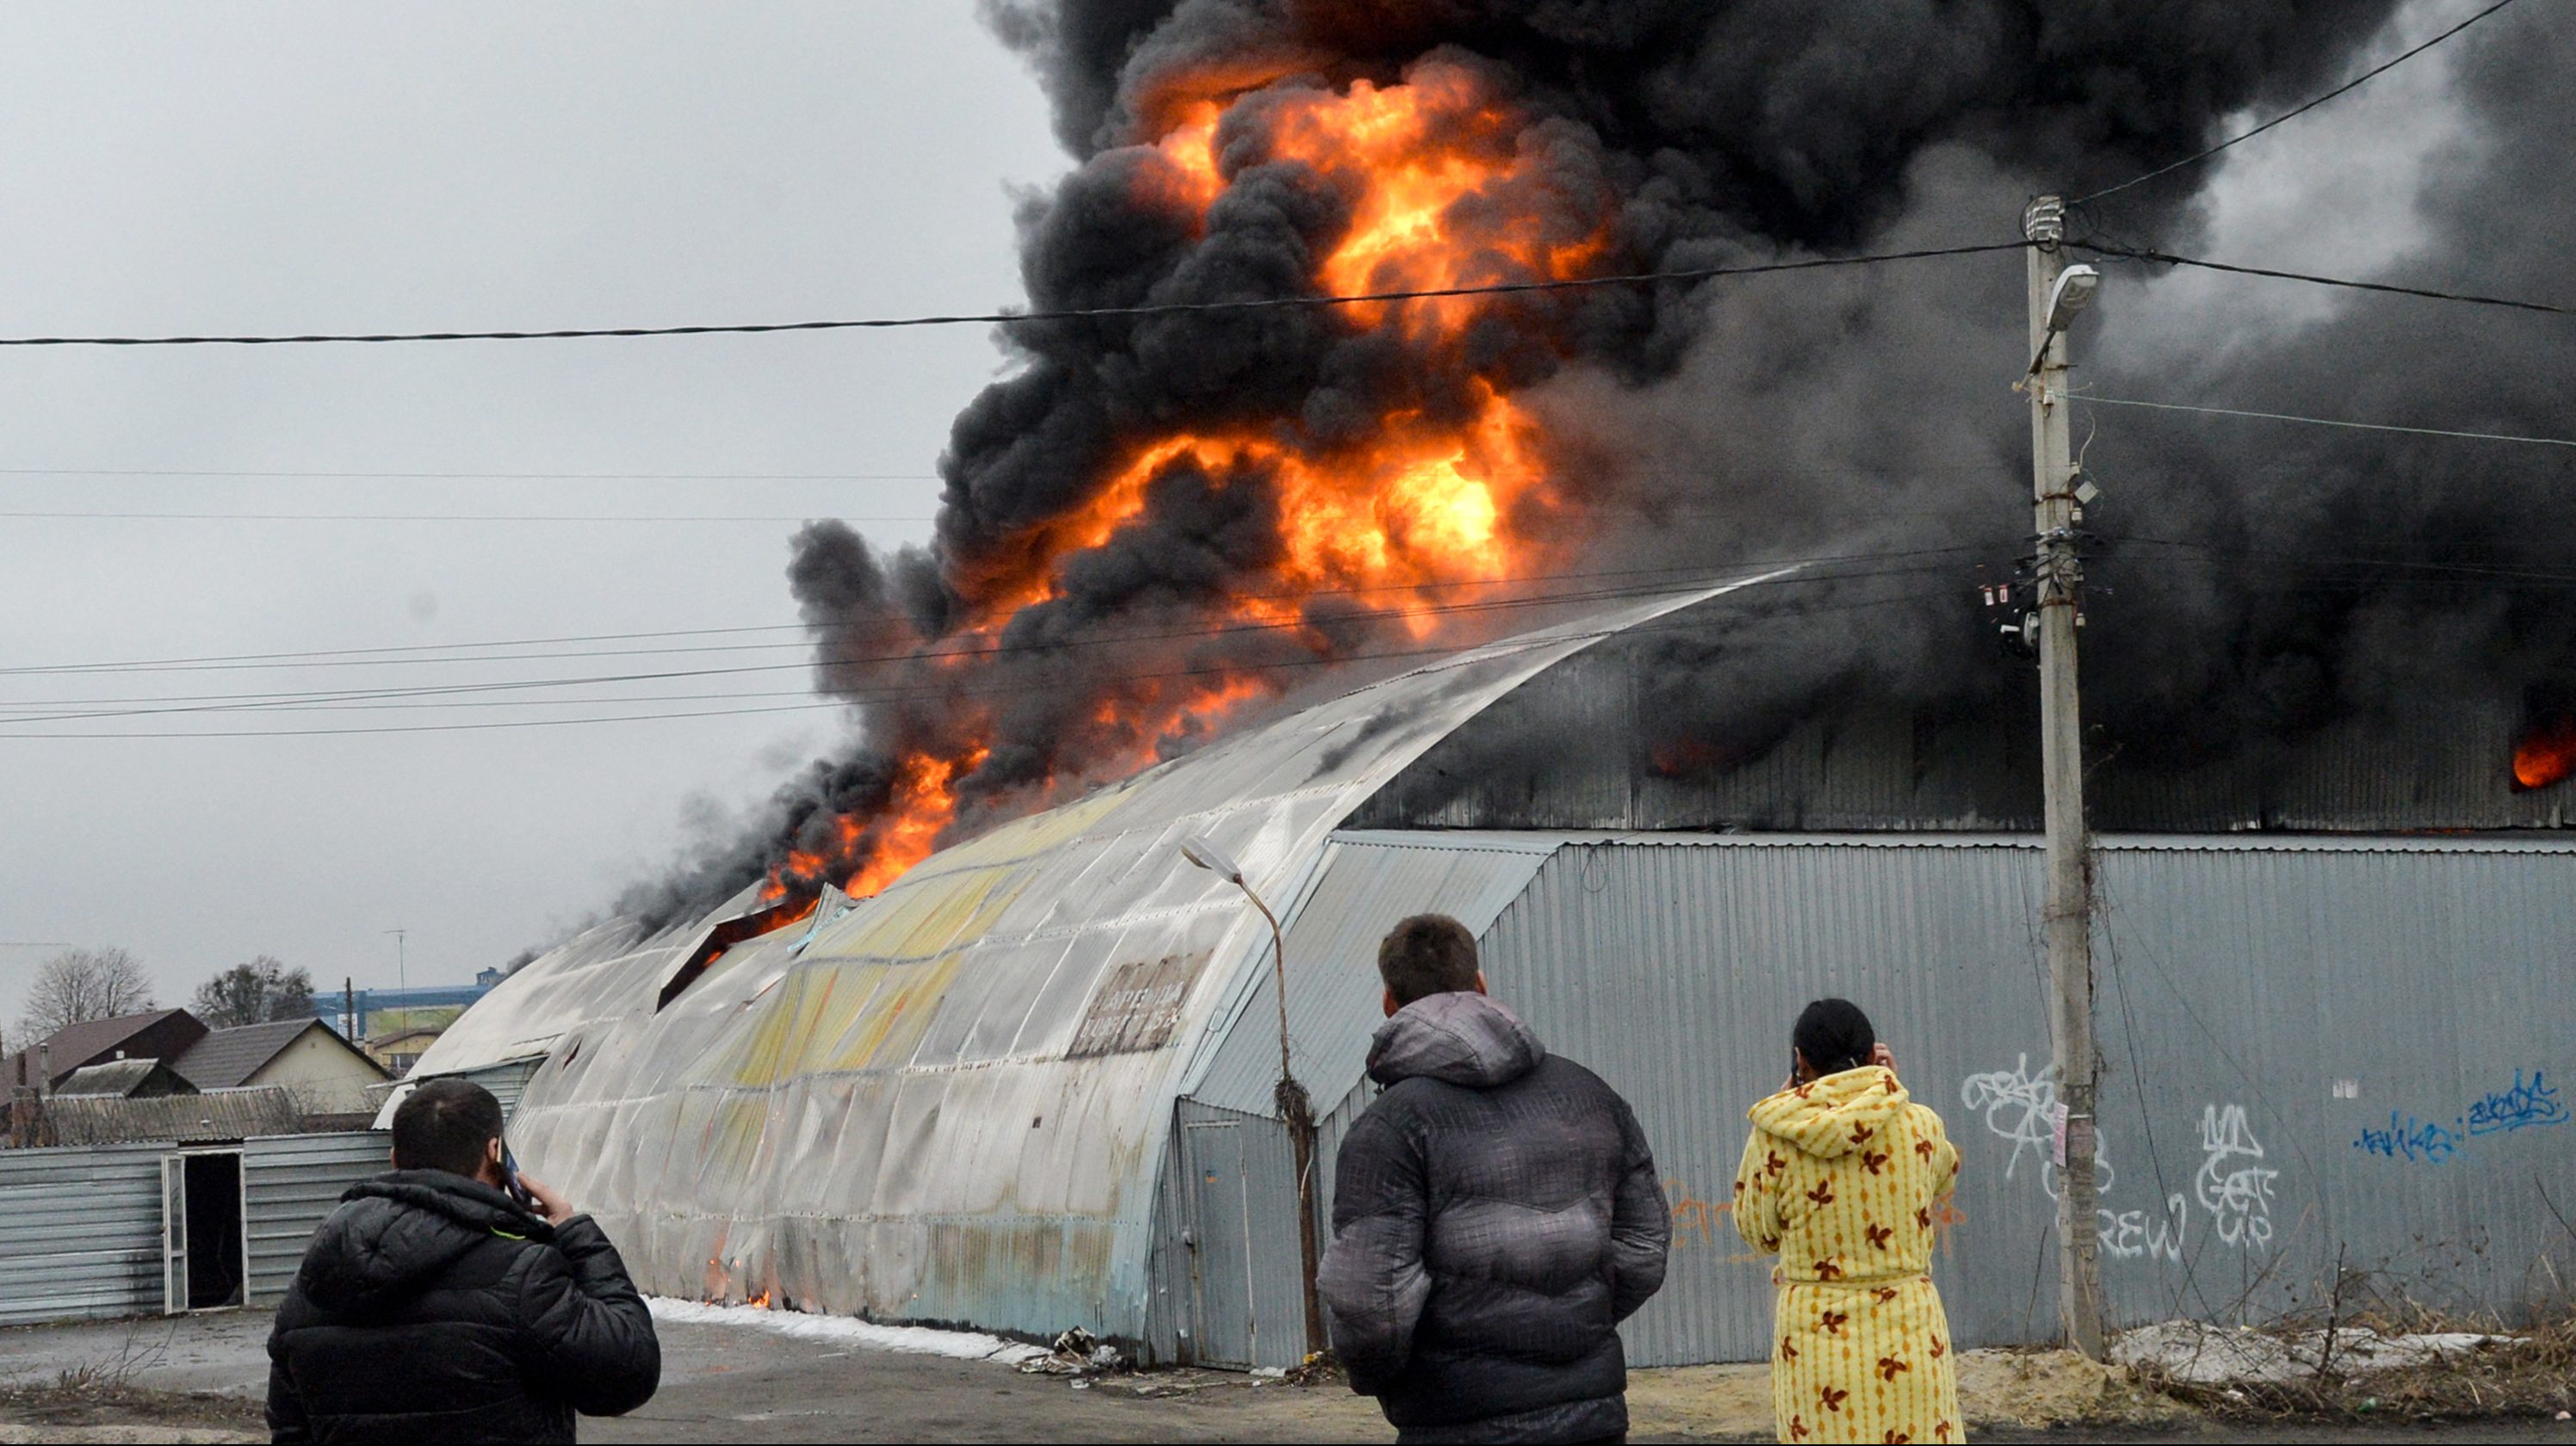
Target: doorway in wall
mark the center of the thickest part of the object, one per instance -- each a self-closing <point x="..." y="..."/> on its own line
<point x="203" y="1261"/>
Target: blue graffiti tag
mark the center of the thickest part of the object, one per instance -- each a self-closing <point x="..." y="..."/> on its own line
<point x="2518" y="1108"/>
<point x="2408" y="1138"/>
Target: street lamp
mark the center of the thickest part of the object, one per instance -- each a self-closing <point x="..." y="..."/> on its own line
<point x="2072" y="292"/>
<point x="1290" y="1096"/>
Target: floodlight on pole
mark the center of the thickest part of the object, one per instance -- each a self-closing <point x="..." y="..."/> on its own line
<point x="1296" y="1109"/>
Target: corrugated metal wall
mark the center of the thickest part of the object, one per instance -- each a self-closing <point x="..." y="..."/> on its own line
<point x="289" y="1184"/>
<point x="1363" y="887"/>
<point x="1877" y="766"/>
<point x="80" y="1225"/>
<point x="2310" y="1050"/>
<point x="80" y="1232"/>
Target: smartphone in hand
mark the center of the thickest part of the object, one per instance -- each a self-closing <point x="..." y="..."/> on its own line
<point x="510" y="1178"/>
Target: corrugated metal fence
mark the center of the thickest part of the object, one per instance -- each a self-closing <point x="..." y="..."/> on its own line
<point x="2322" y="1059"/>
<point x="81" y="1227"/>
<point x="80" y="1231"/>
<point x="288" y="1185"/>
<point x="2316" y="1057"/>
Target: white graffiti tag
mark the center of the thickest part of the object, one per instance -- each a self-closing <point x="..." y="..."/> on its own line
<point x="2133" y="1235"/>
<point x="2237" y="1196"/>
<point x="2021" y="1108"/>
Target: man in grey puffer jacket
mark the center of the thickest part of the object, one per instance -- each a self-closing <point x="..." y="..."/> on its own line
<point x="1496" y="1214"/>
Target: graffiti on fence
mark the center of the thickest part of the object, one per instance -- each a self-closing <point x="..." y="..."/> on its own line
<point x="2021" y="1109"/>
<point x="2410" y="1139"/>
<point x="2522" y="1105"/>
<point x="2134" y="1235"/>
<point x="2504" y="1111"/>
<point x="2237" y="1195"/>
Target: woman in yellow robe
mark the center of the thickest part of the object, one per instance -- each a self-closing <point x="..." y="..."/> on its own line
<point x="1842" y="1178"/>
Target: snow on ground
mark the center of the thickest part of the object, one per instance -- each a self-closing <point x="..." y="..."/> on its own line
<point x="2216" y="1355"/>
<point x="843" y="1330"/>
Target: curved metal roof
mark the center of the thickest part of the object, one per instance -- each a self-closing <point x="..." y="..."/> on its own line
<point x="948" y="1103"/>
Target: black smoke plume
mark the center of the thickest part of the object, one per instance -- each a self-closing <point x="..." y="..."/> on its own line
<point x="1862" y="415"/>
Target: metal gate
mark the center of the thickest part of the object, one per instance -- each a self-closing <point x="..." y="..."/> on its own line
<point x="1247" y="1302"/>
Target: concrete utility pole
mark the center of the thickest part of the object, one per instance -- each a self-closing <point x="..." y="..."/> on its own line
<point x="2068" y="914"/>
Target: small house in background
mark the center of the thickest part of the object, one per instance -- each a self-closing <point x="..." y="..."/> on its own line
<point x="162" y="1034"/>
<point x="398" y="1050"/>
<point x="329" y="1074"/>
<point x="124" y="1079"/>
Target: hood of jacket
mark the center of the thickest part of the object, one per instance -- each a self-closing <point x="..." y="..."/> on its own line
<point x="1464" y="1039"/>
<point x="1834" y="1115"/>
<point x="393" y="1235"/>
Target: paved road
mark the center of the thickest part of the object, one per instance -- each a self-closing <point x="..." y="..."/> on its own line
<point x="730" y="1384"/>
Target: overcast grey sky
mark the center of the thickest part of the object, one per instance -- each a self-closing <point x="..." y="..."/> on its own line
<point x="185" y="167"/>
<point x="278" y="167"/>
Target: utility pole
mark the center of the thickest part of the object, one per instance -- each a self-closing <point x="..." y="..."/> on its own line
<point x="2068" y="912"/>
<point x="402" y="968"/>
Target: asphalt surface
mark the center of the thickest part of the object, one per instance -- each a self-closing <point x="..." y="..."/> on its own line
<point x="726" y="1383"/>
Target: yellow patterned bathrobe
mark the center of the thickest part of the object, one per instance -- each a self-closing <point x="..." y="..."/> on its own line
<point x="1843" y="1178"/>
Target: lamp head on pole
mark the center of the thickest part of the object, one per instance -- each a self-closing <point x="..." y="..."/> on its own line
<point x="1208" y="856"/>
<point x="2072" y="293"/>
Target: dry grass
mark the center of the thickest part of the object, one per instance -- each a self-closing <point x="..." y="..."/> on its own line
<point x="86" y="1396"/>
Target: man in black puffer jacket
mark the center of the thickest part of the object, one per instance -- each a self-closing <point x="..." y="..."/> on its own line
<point x="432" y="1306"/>
<point x="1496" y="1214"/>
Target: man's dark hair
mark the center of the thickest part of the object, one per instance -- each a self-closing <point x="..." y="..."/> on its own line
<point x="446" y="1124"/>
<point x="1425" y="955"/>
<point x="1834" y="1036"/>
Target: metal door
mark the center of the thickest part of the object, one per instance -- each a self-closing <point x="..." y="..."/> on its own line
<point x="1227" y="1327"/>
<point x="174" y="1234"/>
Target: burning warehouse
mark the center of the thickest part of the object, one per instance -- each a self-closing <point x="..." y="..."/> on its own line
<point x="1031" y="1082"/>
<point x="958" y="1036"/>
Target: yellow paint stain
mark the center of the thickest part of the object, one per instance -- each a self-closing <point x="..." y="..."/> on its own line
<point x="891" y="1027"/>
<point x="923" y="921"/>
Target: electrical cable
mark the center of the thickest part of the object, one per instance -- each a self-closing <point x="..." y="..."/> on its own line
<point x="2324" y="421"/>
<point x="227" y="702"/>
<point x="335" y="657"/>
<point x="2473" y="572"/>
<point x="1224" y="670"/>
<point x="438" y="517"/>
<point x="1087" y="313"/>
<point x="476" y="476"/>
<point x="2371" y="74"/>
<point x="2168" y="258"/>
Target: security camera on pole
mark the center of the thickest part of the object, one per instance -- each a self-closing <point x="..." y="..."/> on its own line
<point x="2057" y="292"/>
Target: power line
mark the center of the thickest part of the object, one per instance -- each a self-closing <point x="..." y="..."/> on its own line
<point x="2170" y="259"/>
<point x="2371" y="74"/>
<point x="255" y="702"/>
<point x="1088" y="313"/>
<point x="336" y="657"/>
<point x="2467" y="572"/>
<point x="477" y="476"/>
<point x="2326" y="421"/>
<point x="494" y="517"/>
<point x="1227" y="670"/>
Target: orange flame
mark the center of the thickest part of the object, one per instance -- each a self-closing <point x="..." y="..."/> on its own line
<point x="2547" y="753"/>
<point x="1443" y="188"/>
